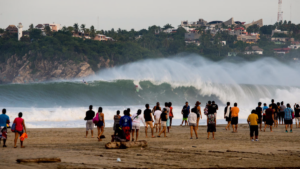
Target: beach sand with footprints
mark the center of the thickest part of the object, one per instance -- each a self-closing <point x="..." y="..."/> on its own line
<point x="277" y="149"/>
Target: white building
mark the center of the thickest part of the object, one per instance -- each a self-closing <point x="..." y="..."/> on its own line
<point x="20" y="31"/>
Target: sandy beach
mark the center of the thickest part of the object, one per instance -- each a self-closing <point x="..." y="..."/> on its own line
<point x="277" y="149"/>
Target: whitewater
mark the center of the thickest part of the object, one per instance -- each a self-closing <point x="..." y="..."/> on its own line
<point x="176" y="79"/>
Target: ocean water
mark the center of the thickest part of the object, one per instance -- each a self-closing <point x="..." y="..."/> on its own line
<point x="177" y="80"/>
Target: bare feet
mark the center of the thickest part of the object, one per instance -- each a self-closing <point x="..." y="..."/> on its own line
<point x="153" y="136"/>
<point x="213" y="138"/>
<point x="23" y="147"/>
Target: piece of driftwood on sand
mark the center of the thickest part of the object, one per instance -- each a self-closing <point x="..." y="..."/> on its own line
<point x="39" y="160"/>
<point x="124" y="145"/>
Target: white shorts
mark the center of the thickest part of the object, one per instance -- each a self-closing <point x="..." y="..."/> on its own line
<point x="297" y="119"/>
<point x="135" y="127"/>
<point x="156" y="121"/>
<point x="89" y="125"/>
<point x="164" y="123"/>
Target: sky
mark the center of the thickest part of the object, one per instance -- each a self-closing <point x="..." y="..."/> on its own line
<point x="140" y="14"/>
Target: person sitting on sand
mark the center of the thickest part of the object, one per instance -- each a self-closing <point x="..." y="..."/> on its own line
<point x="136" y="120"/>
<point x="235" y="117"/>
<point x="117" y="121"/>
<point x="288" y="118"/>
<point x="19" y="129"/>
<point x="185" y="113"/>
<point x="269" y="117"/>
<point x="193" y="121"/>
<point x="252" y="121"/>
<point x="100" y="124"/>
<point x="157" y="124"/>
<point x="119" y="135"/>
<point x="227" y="115"/>
<point x="126" y="124"/>
<point x="211" y="124"/>
<point x="4" y="120"/>
<point x="148" y="120"/>
<point x="163" y="119"/>
<point x="89" y="115"/>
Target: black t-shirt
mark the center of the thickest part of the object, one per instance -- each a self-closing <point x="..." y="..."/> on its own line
<point x="275" y="107"/>
<point x="186" y="111"/>
<point x="297" y="112"/>
<point x="211" y="110"/>
<point x="258" y="111"/>
<point x="90" y="115"/>
<point x="163" y="116"/>
<point x="215" y="107"/>
<point x="147" y="114"/>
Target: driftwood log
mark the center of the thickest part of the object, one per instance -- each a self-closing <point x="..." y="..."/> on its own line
<point x="124" y="145"/>
<point x="39" y="160"/>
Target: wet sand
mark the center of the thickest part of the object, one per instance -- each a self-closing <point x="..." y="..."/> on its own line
<point x="277" y="149"/>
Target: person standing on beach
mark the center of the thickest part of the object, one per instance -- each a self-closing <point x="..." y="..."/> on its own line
<point x="235" y="117"/>
<point x="4" y="120"/>
<point x="227" y="115"/>
<point x="168" y="112"/>
<point x="252" y="121"/>
<point x="89" y="115"/>
<point x="214" y="107"/>
<point x="211" y="124"/>
<point x="117" y="121"/>
<point x="19" y="129"/>
<point x="276" y="115"/>
<point x="288" y="118"/>
<point x="185" y="112"/>
<point x="281" y="117"/>
<point x="156" y="107"/>
<point x="193" y="117"/>
<point x="269" y="117"/>
<point x="136" y="120"/>
<point x="157" y="123"/>
<point x="198" y="113"/>
<point x="297" y="115"/>
<point x="100" y="124"/>
<point x="258" y="111"/>
<point x="163" y="119"/>
<point x="171" y="115"/>
<point x="126" y="124"/>
<point x="148" y="120"/>
<point x="264" y="113"/>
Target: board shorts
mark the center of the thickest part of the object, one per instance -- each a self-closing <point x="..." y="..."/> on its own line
<point x="211" y="128"/>
<point x="149" y="123"/>
<point x="193" y="124"/>
<point x="270" y="122"/>
<point x="135" y="127"/>
<point x="228" y="119"/>
<point x="234" y="120"/>
<point x="184" y="119"/>
<point x="164" y="123"/>
<point x="89" y="125"/>
<point x="288" y="121"/>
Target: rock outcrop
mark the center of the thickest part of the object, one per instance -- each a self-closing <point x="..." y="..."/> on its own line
<point x="17" y="70"/>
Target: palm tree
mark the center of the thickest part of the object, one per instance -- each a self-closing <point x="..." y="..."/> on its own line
<point x="48" y="31"/>
<point x="76" y="28"/>
<point x="92" y="32"/>
<point x="30" y="27"/>
<point x="82" y="27"/>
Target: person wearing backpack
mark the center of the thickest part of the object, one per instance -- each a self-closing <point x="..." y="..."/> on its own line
<point x="136" y="119"/>
<point x="4" y="120"/>
<point x="19" y="129"/>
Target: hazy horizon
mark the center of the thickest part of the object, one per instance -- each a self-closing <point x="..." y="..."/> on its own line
<point x="141" y="14"/>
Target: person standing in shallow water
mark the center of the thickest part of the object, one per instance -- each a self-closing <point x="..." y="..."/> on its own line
<point x="89" y="115"/>
<point x="227" y="115"/>
<point x="100" y="124"/>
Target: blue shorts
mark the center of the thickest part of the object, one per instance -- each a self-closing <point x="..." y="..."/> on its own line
<point x="100" y="124"/>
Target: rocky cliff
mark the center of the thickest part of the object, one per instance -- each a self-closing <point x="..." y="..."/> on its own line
<point x="22" y="70"/>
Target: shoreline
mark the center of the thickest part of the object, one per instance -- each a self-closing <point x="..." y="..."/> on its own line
<point x="229" y="150"/>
